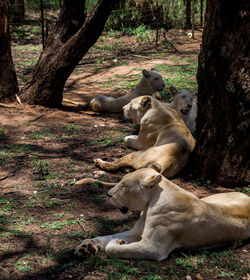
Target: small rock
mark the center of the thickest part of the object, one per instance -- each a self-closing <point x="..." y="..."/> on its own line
<point x="188" y="277"/>
<point x="198" y="277"/>
<point x="209" y="182"/>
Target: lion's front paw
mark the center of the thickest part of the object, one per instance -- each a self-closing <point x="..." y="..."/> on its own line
<point x="87" y="247"/>
<point x="130" y="140"/>
<point x="105" y="164"/>
<point x="99" y="162"/>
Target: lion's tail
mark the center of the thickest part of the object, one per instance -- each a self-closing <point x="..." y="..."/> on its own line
<point x="86" y="181"/>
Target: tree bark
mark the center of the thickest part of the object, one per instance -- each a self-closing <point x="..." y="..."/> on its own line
<point x="68" y="42"/>
<point x="19" y="11"/>
<point x="8" y="80"/>
<point x="201" y="14"/>
<point x="188" y="14"/>
<point x="222" y="151"/>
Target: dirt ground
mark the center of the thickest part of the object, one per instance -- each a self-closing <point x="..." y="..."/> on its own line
<point x="44" y="216"/>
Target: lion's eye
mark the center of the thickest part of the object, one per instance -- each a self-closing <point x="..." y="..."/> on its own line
<point x="156" y="79"/>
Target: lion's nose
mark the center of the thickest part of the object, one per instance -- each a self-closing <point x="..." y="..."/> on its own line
<point x="189" y="106"/>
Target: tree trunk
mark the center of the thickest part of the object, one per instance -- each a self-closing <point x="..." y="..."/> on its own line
<point x="8" y="81"/>
<point x="68" y="42"/>
<point x="188" y="14"/>
<point x="224" y="94"/>
<point x="19" y="10"/>
<point x="201" y="14"/>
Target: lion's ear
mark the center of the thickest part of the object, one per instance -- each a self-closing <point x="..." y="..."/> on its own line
<point x="173" y="90"/>
<point x="157" y="95"/>
<point x="146" y="101"/>
<point x="151" y="182"/>
<point x="145" y="73"/>
<point x="153" y="69"/>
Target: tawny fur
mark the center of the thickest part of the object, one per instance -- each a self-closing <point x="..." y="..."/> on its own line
<point x="163" y="139"/>
<point x="171" y="218"/>
<point x="184" y="103"/>
<point x="151" y="82"/>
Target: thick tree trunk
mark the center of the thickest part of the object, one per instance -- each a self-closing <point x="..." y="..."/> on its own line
<point x="8" y="81"/>
<point x="188" y="14"/>
<point x="68" y="42"/>
<point x="222" y="152"/>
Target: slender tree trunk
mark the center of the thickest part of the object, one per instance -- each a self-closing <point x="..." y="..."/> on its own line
<point x="19" y="11"/>
<point x="193" y="18"/>
<point x="67" y="43"/>
<point x="188" y="14"/>
<point x="222" y="151"/>
<point x="201" y="14"/>
<point x="8" y="81"/>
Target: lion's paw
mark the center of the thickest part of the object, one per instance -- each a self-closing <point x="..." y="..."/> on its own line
<point x="99" y="162"/>
<point x="87" y="247"/>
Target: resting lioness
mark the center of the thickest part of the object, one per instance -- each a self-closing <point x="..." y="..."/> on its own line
<point x="163" y="139"/>
<point x="150" y="83"/>
<point x="183" y="102"/>
<point x="171" y="218"/>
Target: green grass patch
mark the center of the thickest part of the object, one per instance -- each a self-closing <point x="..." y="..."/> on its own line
<point x="180" y="76"/>
<point x="243" y="190"/>
<point x="40" y="134"/>
<point x="102" y="142"/>
<point x="58" y="225"/>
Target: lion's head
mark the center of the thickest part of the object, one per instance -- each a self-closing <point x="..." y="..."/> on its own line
<point x="133" y="191"/>
<point x="136" y="108"/>
<point x="182" y="100"/>
<point x="154" y="79"/>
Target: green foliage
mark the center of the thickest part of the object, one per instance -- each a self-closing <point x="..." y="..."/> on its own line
<point x="21" y="266"/>
<point x="243" y="189"/>
<point x="40" y="134"/>
<point x="19" y="31"/>
<point x="142" y="32"/>
<point x="2" y="135"/>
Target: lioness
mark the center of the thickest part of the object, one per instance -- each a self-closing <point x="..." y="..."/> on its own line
<point x="150" y="83"/>
<point x="171" y="218"/>
<point x="163" y="139"/>
<point x="183" y="102"/>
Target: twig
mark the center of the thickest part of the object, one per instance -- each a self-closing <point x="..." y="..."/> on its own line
<point x="7" y="105"/>
<point x="82" y="227"/>
<point x="140" y="56"/>
<point x="43" y="114"/>
<point x="5" y="177"/>
<point x="18" y="100"/>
